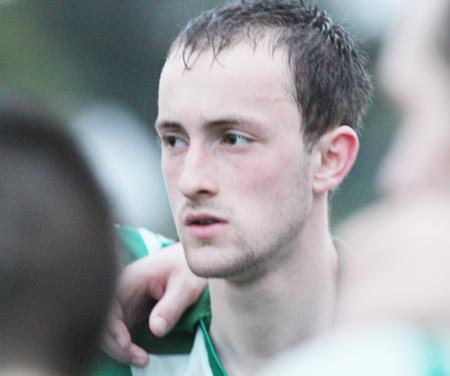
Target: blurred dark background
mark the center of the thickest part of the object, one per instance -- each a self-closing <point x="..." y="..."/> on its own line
<point x="97" y="64"/>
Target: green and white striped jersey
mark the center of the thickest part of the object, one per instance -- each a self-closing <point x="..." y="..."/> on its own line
<point x="187" y="350"/>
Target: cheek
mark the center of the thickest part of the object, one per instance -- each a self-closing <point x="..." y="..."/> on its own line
<point x="171" y="174"/>
<point x="268" y="177"/>
<point x="262" y="176"/>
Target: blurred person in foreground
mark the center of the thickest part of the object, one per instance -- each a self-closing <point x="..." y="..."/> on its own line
<point x="259" y="102"/>
<point x="57" y="262"/>
<point x="393" y="306"/>
<point x="415" y="71"/>
<point x="393" y="315"/>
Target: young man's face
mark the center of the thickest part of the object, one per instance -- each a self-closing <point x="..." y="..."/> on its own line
<point x="234" y="161"/>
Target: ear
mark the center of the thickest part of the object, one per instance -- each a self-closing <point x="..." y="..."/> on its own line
<point x="333" y="157"/>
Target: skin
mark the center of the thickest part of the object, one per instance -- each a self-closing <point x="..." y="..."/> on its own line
<point x="233" y="154"/>
<point x="420" y="153"/>
<point x="395" y="272"/>
<point x="415" y="179"/>
<point x="400" y="260"/>
<point x="224" y="140"/>
<point x="422" y="142"/>
<point x="160" y="281"/>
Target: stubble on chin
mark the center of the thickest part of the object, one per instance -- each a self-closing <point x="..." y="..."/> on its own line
<point x="237" y="263"/>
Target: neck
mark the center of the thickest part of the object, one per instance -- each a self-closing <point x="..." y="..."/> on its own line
<point x="291" y="302"/>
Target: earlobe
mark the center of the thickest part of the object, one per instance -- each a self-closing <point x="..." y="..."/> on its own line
<point x="335" y="154"/>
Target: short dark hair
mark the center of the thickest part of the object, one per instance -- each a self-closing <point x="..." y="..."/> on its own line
<point x="331" y="85"/>
<point x="57" y="261"/>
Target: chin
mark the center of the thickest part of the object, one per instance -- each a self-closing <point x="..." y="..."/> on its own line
<point x="207" y="263"/>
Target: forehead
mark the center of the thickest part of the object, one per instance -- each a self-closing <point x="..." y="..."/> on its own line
<point x="258" y="54"/>
<point x="241" y="75"/>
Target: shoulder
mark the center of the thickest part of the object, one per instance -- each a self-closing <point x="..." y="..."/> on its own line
<point x="137" y="242"/>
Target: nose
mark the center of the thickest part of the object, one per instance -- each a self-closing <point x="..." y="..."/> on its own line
<point x="198" y="176"/>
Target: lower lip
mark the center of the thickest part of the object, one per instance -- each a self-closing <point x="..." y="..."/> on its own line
<point x="207" y="231"/>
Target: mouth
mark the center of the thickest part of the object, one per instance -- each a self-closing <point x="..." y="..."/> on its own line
<point x="205" y="226"/>
<point x="202" y="220"/>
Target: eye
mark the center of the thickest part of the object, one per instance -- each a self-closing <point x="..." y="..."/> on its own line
<point x="173" y="141"/>
<point x="236" y="139"/>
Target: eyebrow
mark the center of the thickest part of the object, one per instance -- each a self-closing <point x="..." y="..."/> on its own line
<point x="159" y="125"/>
<point x="217" y="123"/>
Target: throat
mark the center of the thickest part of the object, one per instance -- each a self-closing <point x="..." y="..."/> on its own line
<point x="251" y="323"/>
<point x="247" y="336"/>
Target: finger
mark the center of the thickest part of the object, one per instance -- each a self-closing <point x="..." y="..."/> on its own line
<point x="139" y="356"/>
<point x="177" y="298"/>
<point x="117" y="344"/>
<point x="117" y="341"/>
